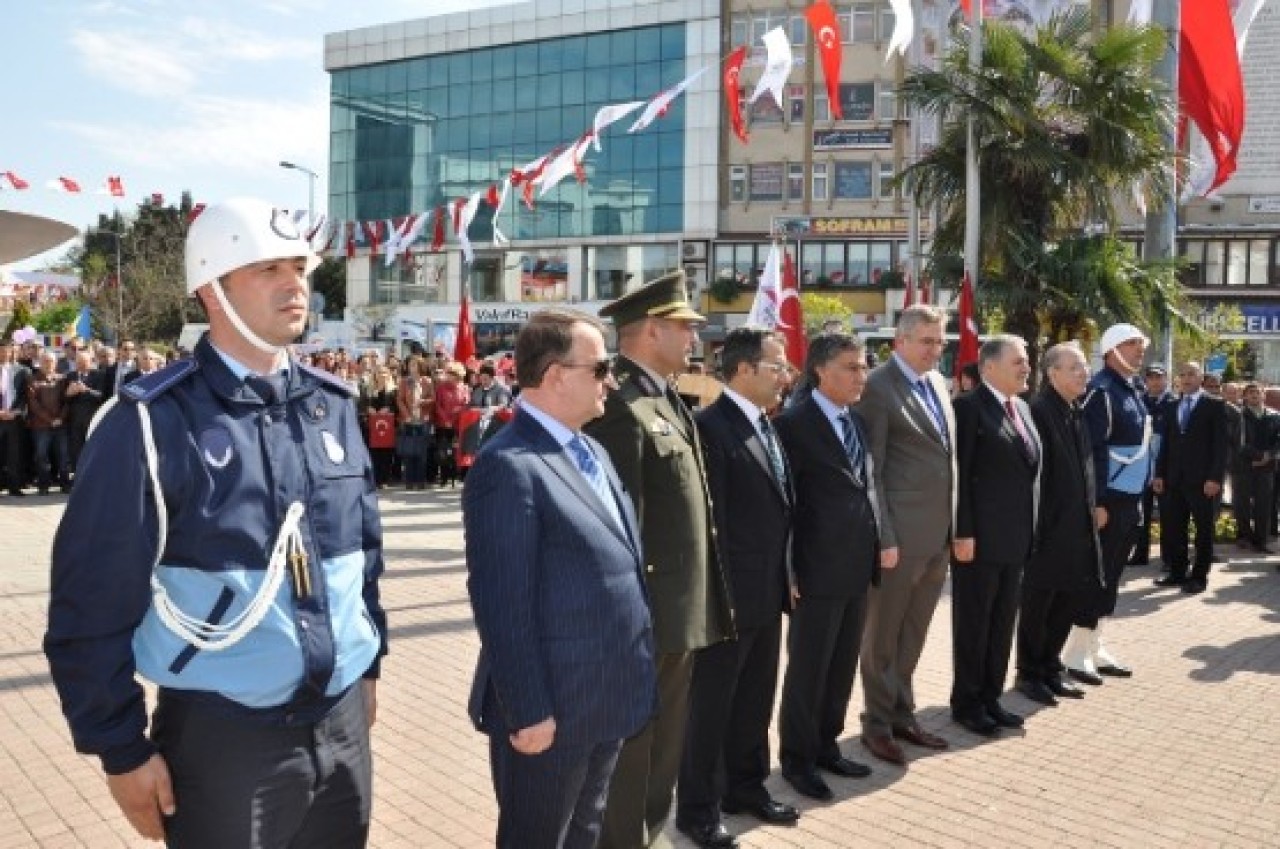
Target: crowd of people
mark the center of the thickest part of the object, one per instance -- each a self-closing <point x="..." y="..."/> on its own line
<point x="49" y="396"/>
<point x="631" y="556"/>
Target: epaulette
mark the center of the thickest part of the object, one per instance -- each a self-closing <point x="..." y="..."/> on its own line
<point x="151" y="386"/>
<point x="329" y="379"/>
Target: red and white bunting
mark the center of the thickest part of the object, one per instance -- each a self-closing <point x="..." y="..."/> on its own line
<point x="65" y="185"/>
<point x="658" y="106"/>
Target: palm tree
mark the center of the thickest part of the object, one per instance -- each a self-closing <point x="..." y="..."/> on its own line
<point x="1069" y="119"/>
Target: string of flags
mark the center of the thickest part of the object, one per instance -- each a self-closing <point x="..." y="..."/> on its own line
<point x="393" y="237"/>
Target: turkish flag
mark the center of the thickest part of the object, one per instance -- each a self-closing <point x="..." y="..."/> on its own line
<point x="373" y="230"/>
<point x="909" y="297"/>
<point x="464" y="347"/>
<point x="826" y="33"/>
<point x="115" y="187"/>
<point x="1210" y="84"/>
<point x="65" y="184"/>
<point x="791" y="314"/>
<point x="382" y="430"/>
<point x="17" y="182"/>
<point x="967" y="352"/>
<point x="733" y="90"/>
<point x="196" y="209"/>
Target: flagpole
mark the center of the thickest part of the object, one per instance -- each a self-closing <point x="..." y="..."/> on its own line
<point x="972" y="182"/>
<point x="1161" y="233"/>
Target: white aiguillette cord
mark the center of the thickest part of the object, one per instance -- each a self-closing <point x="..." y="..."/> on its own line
<point x="197" y="632"/>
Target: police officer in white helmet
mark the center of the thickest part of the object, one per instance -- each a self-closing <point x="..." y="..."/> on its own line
<point x="1123" y="456"/>
<point x="223" y="543"/>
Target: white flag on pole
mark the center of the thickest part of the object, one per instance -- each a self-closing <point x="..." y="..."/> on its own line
<point x="764" y="310"/>
<point x="777" y="66"/>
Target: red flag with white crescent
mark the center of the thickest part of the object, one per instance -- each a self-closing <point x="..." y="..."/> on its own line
<point x="826" y="33"/>
<point x="1210" y="83"/>
<point x="464" y="346"/>
<point x="909" y="297"/>
<point x="437" y="235"/>
<point x="16" y="182"/>
<point x="791" y="314"/>
<point x="733" y="91"/>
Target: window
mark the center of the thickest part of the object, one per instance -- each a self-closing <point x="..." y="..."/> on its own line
<point x="737" y="183"/>
<point x="1213" y="259"/>
<point x="886" y="179"/>
<point x="739" y="27"/>
<point x="766" y="181"/>
<point x="742" y="263"/>
<point x="797" y="30"/>
<point x="795" y="181"/>
<point x="887" y="22"/>
<point x="819" y="181"/>
<point x="1237" y="263"/>
<point x="795" y="99"/>
<point x="765" y="111"/>
<point x="1259" y="262"/>
<point x="853" y="181"/>
<point x="821" y="107"/>
<point x="861" y="27"/>
<point x="888" y="105"/>
<point x="881" y="259"/>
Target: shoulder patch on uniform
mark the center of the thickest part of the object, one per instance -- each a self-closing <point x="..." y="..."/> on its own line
<point x="151" y="386"/>
<point x="325" y="377"/>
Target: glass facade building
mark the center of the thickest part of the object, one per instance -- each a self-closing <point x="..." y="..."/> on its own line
<point x="410" y="135"/>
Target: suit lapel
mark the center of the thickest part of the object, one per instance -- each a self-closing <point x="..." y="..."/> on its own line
<point x="559" y="461"/>
<point x="915" y="407"/>
<point x="746" y="431"/>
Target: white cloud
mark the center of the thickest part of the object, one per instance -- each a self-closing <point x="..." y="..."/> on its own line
<point x="219" y="40"/>
<point x="133" y="62"/>
<point x="209" y="136"/>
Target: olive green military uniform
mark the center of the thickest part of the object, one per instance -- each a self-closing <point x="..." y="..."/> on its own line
<point x="653" y="443"/>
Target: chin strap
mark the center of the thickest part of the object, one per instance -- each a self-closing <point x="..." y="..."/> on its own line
<point x="249" y="336"/>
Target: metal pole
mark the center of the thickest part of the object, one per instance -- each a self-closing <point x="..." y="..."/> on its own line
<point x="1160" y="237"/>
<point x="972" y="181"/>
<point x="119" y="292"/>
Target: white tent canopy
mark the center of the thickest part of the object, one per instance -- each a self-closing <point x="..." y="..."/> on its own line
<point x="23" y="235"/>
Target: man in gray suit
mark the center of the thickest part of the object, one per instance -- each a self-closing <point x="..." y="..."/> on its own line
<point x="909" y="422"/>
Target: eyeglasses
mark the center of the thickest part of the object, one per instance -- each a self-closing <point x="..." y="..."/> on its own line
<point x="776" y="368"/>
<point x="600" y="368"/>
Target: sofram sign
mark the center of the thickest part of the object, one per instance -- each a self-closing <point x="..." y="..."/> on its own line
<point x="1251" y="320"/>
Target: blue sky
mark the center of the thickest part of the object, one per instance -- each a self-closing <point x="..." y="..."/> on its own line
<point x="172" y="95"/>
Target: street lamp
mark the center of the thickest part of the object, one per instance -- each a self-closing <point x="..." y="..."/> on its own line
<point x="119" y="282"/>
<point x="311" y="189"/>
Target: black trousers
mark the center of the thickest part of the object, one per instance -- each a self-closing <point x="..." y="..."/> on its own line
<point x="984" y="606"/>
<point x="554" y="799"/>
<point x="1251" y="500"/>
<point x="1045" y="617"/>
<point x="1183" y="504"/>
<point x="12" y="453"/>
<point x="726" y="748"/>
<point x="258" y="786"/>
<point x="823" y="641"/>
<point x="1152" y="505"/>
<point x="1123" y="515"/>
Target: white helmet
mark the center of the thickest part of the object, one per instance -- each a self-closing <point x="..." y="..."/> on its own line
<point x="240" y="232"/>
<point x="1118" y="334"/>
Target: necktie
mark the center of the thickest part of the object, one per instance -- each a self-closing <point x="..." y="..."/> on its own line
<point x="774" y="450"/>
<point x="590" y="468"/>
<point x="1184" y="413"/>
<point x="272" y="388"/>
<point x="678" y="404"/>
<point x="852" y="447"/>
<point x="935" y="412"/>
<point x="1027" y="444"/>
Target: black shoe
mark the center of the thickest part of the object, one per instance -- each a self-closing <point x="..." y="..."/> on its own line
<point x="1063" y="688"/>
<point x="712" y="836"/>
<point x="845" y="767"/>
<point x="1115" y="670"/>
<point x="44" y="490"/>
<point x="17" y="493"/>
<point x="1035" y="690"/>
<point x="769" y="811"/>
<point x="807" y="782"/>
<point x="1194" y="586"/>
<point x="1171" y="580"/>
<point x="1002" y="717"/>
<point x="1090" y="678"/>
<point x="1263" y="548"/>
<point x="979" y="722"/>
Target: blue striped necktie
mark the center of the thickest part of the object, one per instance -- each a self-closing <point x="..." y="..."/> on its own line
<point x="590" y="468"/>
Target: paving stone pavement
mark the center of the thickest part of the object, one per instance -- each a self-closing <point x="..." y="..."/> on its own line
<point x="1186" y="753"/>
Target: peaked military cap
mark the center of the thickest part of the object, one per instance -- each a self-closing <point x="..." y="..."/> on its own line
<point x="665" y="297"/>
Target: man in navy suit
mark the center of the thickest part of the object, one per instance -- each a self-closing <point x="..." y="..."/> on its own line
<point x="726" y="750"/>
<point x="836" y="555"/>
<point x="566" y="668"/>
<point x="998" y="495"/>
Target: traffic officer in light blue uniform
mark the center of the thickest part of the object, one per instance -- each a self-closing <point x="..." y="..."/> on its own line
<point x="1123" y="460"/>
<point x="223" y="543"/>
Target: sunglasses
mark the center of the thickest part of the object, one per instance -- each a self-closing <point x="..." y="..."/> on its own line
<point x="600" y="369"/>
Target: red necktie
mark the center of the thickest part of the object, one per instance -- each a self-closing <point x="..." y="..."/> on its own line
<point x="1018" y="426"/>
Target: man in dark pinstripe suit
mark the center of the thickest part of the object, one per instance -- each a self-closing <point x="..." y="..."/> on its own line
<point x="566" y="669"/>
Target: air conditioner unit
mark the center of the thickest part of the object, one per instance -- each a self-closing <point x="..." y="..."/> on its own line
<point x="695" y="251"/>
